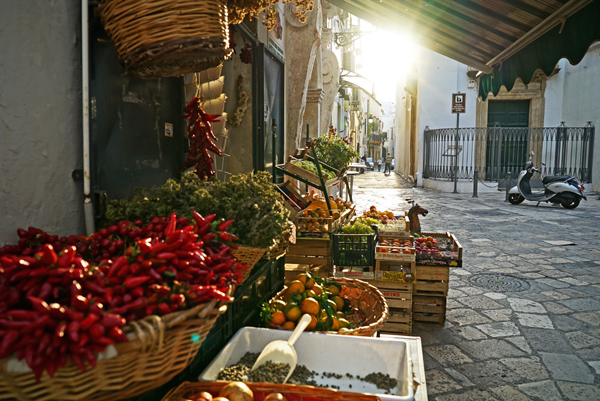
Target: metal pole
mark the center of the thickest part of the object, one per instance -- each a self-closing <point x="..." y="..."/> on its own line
<point x="507" y="185"/>
<point x="456" y="155"/>
<point x="475" y="179"/>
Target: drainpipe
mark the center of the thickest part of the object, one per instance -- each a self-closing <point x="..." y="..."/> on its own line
<point x="88" y="208"/>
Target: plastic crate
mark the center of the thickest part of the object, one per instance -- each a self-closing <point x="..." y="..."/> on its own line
<point x="354" y="249"/>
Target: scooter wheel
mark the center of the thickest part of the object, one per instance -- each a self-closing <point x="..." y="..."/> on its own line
<point x="571" y="203"/>
<point x="515" y="199"/>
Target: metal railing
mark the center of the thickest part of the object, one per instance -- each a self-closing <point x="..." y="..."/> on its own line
<point x="494" y="151"/>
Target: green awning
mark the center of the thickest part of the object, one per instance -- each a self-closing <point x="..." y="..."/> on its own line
<point x="578" y="33"/>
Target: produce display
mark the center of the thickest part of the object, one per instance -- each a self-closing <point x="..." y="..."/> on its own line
<point x="427" y="247"/>
<point x="359" y="226"/>
<point x="311" y="167"/>
<point x="69" y="298"/>
<point x="317" y="217"/>
<point x="332" y="307"/>
<point x="260" y="217"/>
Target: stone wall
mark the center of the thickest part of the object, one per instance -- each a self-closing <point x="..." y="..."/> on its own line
<point x="40" y="117"/>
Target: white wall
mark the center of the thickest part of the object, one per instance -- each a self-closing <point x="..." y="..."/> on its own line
<point x="40" y="117"/>
<point x="440" y="77"/>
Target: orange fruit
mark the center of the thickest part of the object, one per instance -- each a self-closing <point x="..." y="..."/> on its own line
<point x="343" y="323"/>
<point x="306" y="279"/>
<point x="295" y="288"/>
<point x="340" y="315"/>
<point x="279" y="304"/>
<point x="339" y="301"/>
<point x="288" y="325"/>
<point x="278" y="318"/>
<point x="310" y="306"/>
<point x="317" y="289"/>
<point x="292" y="312"/>
<point x="335" y="325"/>
<point x="313" y="323"/>
<point x="335" y="290"/>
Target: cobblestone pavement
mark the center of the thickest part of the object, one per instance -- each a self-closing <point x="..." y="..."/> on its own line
<point x="535" y="338"/>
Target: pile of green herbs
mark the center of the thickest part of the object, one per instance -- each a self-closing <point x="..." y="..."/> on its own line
<point x="335" y="151"/>
<point x="250" y="199"/>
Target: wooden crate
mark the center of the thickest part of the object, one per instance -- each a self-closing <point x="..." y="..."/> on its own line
<point x="317" y="252"/>
<point x="434" y="288"/>
<point x="431" y="280"/>
<point x="399" y="322"/>
<point x="293" y="270"/>
<point x="429" y="310"/>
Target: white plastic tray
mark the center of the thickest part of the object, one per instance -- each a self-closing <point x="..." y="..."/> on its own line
<point x="329" y="353"/>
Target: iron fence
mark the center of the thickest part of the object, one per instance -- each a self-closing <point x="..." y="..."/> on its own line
<point x="494" y="151"/>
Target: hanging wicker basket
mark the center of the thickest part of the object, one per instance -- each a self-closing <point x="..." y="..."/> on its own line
<point x="166" y="38"/>
<point x="162" y="348"/>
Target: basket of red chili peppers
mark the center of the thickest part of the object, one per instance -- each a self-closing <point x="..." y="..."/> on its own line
<point x="113" y="315"/>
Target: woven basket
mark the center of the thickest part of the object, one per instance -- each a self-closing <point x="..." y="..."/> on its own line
<point x="166" y="38"/>
<point x="261" y="390"/>
<point x="376" y="309"/>
<point x="249" y="256"/>
<point x="163" y="348"/>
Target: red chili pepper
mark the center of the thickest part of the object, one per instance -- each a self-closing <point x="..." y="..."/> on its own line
<point x="117" y="334"/>
<point x="89" y="321"/>
<point x="112" y="320"/>
<point x="145" y="245"/>
<point x="174" y="236"/>
<point x="44" y="343"/>
<point x="39" y="304"/>
<point x="150" y="309"/>
<point x="45" y="291"/>
<point x="203" y="229"/>
<point x="132" y="282"/>
<point x="172" y="224"/>
<point x="158" y="247"/>
<point x="67" y="257"/>
<point x="97" y="308"/>
<point x="116" y="266"/>
<point x="80" y="303"/>
<point x="137" y="292"/>
<point x="76" y="358"/>
<point x="124" y="270"/>
<point x="223" y="226"/>
<point x="174" y="246"/>
<point x="164" y="309"/>
<point x="84" y="338"/>
<point x="8" y="341"/>
<point x="74" y="315"/>
<point x="209" y="237"/>
<point x="57" y="311"/>
<point x="165" y="256"/>
<point x="60" y="330"/>
<point x="96" y="330"/>
<point x="154" y="274"/>
<point x="94" y="287"/>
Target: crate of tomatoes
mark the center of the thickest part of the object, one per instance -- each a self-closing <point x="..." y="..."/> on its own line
<point x="395" y="249"/>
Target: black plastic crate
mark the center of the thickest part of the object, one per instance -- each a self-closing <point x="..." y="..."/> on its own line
<point x="354" y="249"/>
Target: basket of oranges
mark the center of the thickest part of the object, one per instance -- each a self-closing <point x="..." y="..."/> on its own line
<point x="336" y="305"/>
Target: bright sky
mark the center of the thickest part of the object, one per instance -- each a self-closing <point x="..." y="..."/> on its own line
<point x="384" y="57"/>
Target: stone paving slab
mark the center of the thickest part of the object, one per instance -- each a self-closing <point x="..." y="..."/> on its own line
<point x="538" y="344"/>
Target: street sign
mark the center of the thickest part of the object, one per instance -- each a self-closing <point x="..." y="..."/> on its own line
<point x="458" y="102"/>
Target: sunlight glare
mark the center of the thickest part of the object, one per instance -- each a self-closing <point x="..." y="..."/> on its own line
<point x="385" y="57"/>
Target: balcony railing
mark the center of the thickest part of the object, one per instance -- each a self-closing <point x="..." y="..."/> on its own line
<point x="495" y="151"/>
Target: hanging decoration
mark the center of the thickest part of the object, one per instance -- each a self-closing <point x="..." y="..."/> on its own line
<point x="201" y="140"/>
<point x="239" y="9"/>
<point x="242" y="104"/>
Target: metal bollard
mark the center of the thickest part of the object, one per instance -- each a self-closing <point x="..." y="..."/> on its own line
<point x="475" y="179"/>
<point x="507" y="185"/>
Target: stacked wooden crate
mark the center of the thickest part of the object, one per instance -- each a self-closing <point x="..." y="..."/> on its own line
<point x="314" y="255"/>
<point x="430" y="289"/>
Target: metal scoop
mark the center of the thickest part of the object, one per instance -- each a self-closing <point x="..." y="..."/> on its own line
<point x="280" y="351"/>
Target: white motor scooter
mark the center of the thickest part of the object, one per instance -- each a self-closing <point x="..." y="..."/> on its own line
<point x="561" y="189"/>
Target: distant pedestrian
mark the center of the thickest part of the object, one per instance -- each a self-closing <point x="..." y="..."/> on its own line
<point x="388" y="164"/>
<point x="379" y="163"/>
